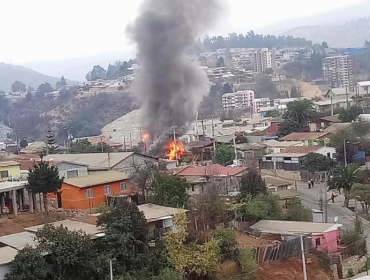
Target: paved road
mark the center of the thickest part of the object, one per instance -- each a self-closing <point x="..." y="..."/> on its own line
<point x="345" y="216"/>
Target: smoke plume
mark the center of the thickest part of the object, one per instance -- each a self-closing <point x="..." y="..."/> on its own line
<point x="168" y="85"/>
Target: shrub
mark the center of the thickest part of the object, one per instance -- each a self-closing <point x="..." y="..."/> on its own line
<point x="226" y="270"/>
<point x="226" y="243"/>
<point x="247" y="263"/>
<point x="350" y="273"/>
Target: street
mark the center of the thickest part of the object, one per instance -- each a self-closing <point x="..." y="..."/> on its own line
<point x="310" y="198"/>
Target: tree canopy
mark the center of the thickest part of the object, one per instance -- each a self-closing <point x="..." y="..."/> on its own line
<point x="83" y="146"/>
<point x="252" y="184"/>
<point x="317" y="163"/>
<point x="288" y="126"/>
<point x="97" y="73"/>
<point x="350" y="114"/>
<point x="43" y="89"/>
<point x="296" y="211"/>
<point x="301" y="110"/>
<point x="225" y="154"/>
<point x="18" y="86"/>
<point x="170" y="191"/>
<point x="265" y="87"/>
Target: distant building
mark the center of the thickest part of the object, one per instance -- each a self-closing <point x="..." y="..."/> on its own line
<point x="260" y="103"/>
<point x="238" y="100"/>
<point x="264" y="59"/>
<point x="338" y="71"/>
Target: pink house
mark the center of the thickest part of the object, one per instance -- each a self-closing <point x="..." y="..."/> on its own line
<point x="324" y="236"/>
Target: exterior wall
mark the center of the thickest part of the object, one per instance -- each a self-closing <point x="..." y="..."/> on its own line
<point x="284" y="174"/>
<point x="4" y="269"/>
<point x="75" y="198"/>
<point x="13" y="171"/>
<point x="65" y="167"/>
<point x="238" y="100"/>
<point x="338" y="71"/>
<point x="128" y="164"/>
<point x="328" y="152"/>
<point x="328" y="241"/>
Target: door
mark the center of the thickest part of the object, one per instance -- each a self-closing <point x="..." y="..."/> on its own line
<point x="59" y="199"/>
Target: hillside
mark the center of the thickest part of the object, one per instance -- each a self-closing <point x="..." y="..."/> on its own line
<point x="350" y="34"/>
<point x="10" y="73"/>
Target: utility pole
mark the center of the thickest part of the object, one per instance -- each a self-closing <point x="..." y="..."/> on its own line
<point x="303" y="259"/>
<point x="325" y="204"/>
<point x="347" y="97"/>
<point x="213" y="137"/>
<point x="236" y="154"/>
<point x="174" y="141"/>
<point x="345" y="152"/>
<point x="274" y="159"/>
<point x="196" y="127"/>
<point x="111" y="269"/>
<point x="331" y="100"/>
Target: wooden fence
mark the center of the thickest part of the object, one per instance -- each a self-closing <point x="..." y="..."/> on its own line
<point x="281" y="251"/>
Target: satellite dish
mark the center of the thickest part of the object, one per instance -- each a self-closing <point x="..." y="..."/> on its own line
<point x="336" y="219"/>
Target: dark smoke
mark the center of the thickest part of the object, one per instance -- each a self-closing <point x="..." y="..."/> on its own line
<point x="168" y="85"/>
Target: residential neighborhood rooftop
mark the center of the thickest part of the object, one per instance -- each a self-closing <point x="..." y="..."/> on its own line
<point x="333" y="119"/>
<point x="19" y="240"/>
<point x="7" y="255"/>
<point x="210" y="170"/>
<point x="293" y="228"/>
<point x="273" y="181"/>
<point x="8" y="163"/>
<point x="155" y="212"/>
<point x="295" y="155"/>
<point x="302" y="149"/>
<point x="96" y="179"/>
<point x="335" y="127"/>
<point x="286" y="194"/>
<point x="302" y="136"/>
<point x="281" y="144"/>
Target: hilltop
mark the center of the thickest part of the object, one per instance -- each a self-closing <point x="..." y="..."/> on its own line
<point x="10" y="73"/>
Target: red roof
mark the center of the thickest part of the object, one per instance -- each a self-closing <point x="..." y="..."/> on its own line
<point x="301" y="150"/>
<point x="210" y="170"/>
<point x="302" y="136"/>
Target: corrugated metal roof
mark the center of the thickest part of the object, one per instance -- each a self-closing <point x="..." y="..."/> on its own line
<point x="72" y="226"/>
<point x="293" y="155"/>
<point x="97" y="179"/>
<point x="301" y="149"/>
<point x="302" y="136"/>
<point x="155" y="212"/>
<point x="210" y="170"/>
<point x="273" y="181"/>
<point x="335" y="127"/>
<point x="8" y="163"/>
<point x="281" y="144"/>
<point x="7" y="255"/>
<point x="19" y="240"/>
<point x="294" y="228"/>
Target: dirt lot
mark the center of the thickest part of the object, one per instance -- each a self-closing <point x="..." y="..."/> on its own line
<point x="10" y="224"/>
<point x="292" y="270"/>
<point x="247" y="241"/>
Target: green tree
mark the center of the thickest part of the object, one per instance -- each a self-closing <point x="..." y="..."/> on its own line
<point x="97" y="73"/>
<point x="361" y="192"/>
<point x="294" y="92"/>
<point x="72" y="253"/>
<point x="324" y="45"/>
<point x="61" y="83"/>
<point x="43" y="89"/>
<point x="354" y="239"/>
<point x="126" y="236"/>
<point x="302" y="111"/>
<point x="318" y="162"/>
<point x="224" y="154"/>
<point x="143" y="177"/>
<point x="344" y="177"/>
<point x="247" y="263"/>
<point x="190" y="259"/>
<point x="226" y="242"/>
<point x="28" y="264"/>
<point x="262" y="207"/>
<point x="228" y="88"/>
<point x="265" y="87"/>
<point x="168" y="274"/>
<point x="170" y="191"/>
<point x="296" y="211"/>
<point x="18" y="86"/>
<point x="350" y="114"/>
<point x="51" y="142"/>
<point x="288" y="126"/>
<point x="269" y="71"/>
<point x="44" y="178"/>
<point x="337" y="138"/>
<point x="252" y="184"/>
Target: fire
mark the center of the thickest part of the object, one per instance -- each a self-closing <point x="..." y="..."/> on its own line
<point x="145" y="137"/>
<point x="175" y="150"/>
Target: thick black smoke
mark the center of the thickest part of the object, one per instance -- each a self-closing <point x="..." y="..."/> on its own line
<point x="168" y="85"/>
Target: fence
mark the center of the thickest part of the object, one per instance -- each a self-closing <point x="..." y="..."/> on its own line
<point x="282" y="251"/>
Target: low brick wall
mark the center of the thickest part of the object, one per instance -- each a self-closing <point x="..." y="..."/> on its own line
<point x="284" y="174"/>
<point x="354" y="263"/>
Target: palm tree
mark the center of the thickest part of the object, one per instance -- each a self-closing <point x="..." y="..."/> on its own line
<point x="344" y="177"/>
<point x="301" y="110"/>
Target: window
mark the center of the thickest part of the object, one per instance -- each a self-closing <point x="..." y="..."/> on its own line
<point x="328" y="155"/>
<point x="268" y="158"/>
<point x="89" y="193"/>
<point x="4" y="174"/>
<point x="123" y="186"/>
<point x="106" y="189"/>
<point x="287" y="158"/>
<point x="72" y="174"/>
<point x="317" y="242"/>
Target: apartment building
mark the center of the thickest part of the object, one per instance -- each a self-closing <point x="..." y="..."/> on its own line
<point x="263" y="59"/>
<point x="238" y="100"/>
<point x="338" y="71"/>
<point x="260" y="103"/>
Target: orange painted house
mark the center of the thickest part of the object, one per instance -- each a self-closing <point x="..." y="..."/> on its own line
<point x="89" y="191"/>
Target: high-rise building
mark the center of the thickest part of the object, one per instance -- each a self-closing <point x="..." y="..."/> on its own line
<point x="338" y="71"/>
<point x="263" y="59"/>
<point x="238" y="100"/>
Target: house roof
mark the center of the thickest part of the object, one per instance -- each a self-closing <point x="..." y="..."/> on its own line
<point x="286" y="194"/>
<point x="250" y="146"/>
<point x="210" y="170"/>
<point x="97" y="179"/>
<point x="335" y="127"/>
<point x="302" y="136"/>
<point x="199" y="144"/>
<point x="301" y="149"/>
<point x="94" y="160"/>
<point x="155" y="212"/>
<point x="273" y="181"/>
<point x="293" y="155"/>
<point x="34" y="148"/>
<point x="19" y="240"/>
<point x="333" y="119"/>
<point x="9" y="186"/>
<point x="95" y="140"/>
<point x="281" y="144"/>
<point x="294" y="228"/>
<point x="72" y="226"/>
<point x="7" y="255"/>
<point x="8" y="163"/>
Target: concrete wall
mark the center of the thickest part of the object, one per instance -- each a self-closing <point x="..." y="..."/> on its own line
<point x="128" y="164"/>
<point x="4" y="269"/>
<point x="328" y="241"/>
<point x="13" y="171"/>
<point x="284" y="174"/>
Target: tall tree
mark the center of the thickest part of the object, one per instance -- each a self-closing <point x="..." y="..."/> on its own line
<point x="61" y="83"/>
<point x="350" y="114"/>
<point x="288" y="126"/>
<point x="97" y="73"/>
<point x="43" y="89"/>
<point x="294" y="92"/>
<point x="28" y="264"/>
<point x="18" y="86"/>
<point x="317" y="163"/>
<point x="265" y="87"/>
<point x="143" y="177"/>
<point x="51" y="142"/>
<point x="344" y="177"/>
<point x="225" y="154"/>
<point x="252" y="184"/>
<point x="126" y="236"/>
<point x="302" y="111"/>
<point x="170" y="191"/>
<point x="44" y="178"/>
<point x="296" y="211"/>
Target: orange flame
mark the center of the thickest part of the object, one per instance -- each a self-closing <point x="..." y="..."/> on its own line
<point x="145" y="137"/>
<point x="175" y="150"/>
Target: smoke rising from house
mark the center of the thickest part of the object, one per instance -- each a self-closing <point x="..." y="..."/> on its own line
<point x="168" y="85"/>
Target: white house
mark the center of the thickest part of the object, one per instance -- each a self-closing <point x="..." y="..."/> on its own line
<point x="238" y="100"/>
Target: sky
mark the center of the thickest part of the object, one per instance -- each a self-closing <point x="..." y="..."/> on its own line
<point x="52" y="30"/>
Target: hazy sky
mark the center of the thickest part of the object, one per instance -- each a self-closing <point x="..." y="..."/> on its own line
<point x="43" y="30"/>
